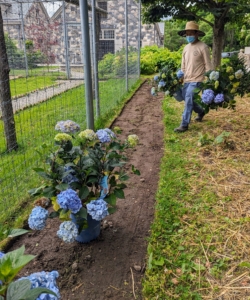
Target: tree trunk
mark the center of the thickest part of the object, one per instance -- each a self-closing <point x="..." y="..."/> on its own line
<point x="5" y="95"/>
<point x="218" y="41"/>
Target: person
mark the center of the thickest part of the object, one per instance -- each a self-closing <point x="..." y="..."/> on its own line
<point x="195" y="62"/>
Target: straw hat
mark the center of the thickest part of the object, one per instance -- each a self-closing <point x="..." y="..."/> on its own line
<point x="191" y="26"/>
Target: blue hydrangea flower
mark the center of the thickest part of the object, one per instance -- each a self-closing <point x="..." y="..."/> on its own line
<point x="153" y="91"/>
<point x="45" y="280"/>
<point x="207" y="96"/>
<point x="67" y="126"/>
<point x="67" y="231"/>
<point x="214" y="75"/>
<point x="110" y="132"/>
<point x="161" y="84"/>
<point x="69" y="200"/>
<point x="219" y="98"/>
<point x="103" y="136"/>
<point x="69" y="178"/>
<point x="37" y="218"/>
<point x="179" y="74"/>
<point x="98" y="209"/>
<point x="156" y="78"/>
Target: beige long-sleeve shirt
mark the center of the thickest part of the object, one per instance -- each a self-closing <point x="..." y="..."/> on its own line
<point x="195" y="61"/>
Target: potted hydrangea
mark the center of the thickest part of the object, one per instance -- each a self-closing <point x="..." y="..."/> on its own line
<point x="83" y="177"/>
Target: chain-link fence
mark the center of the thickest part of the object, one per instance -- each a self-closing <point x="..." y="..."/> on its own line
<point x="45" y="54"/>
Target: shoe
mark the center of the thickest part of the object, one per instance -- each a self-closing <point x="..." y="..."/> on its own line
<point x="181" y="129"/>
<point x="200" y="117"/>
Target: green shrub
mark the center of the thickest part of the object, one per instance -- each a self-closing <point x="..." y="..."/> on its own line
<point x="154" y="58"/>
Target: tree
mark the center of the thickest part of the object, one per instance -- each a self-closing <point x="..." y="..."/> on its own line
<point x="5" y="95"/>
<point x="43" y="32"/>
<point x="223" y="12"/>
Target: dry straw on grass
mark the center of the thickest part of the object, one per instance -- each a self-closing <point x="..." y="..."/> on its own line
<point x="224" y="230"/>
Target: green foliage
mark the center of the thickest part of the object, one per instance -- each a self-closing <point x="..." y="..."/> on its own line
<point x="222" y="138"/>
<point x="114" y="64"/>
<point x="172" y="40"/>
<point x="167" y="80"/>
<point x="10" y="265"/>
<point x="223" y="13"/>
<point x="154" y="58"/>
<point x="16" y="56"/>
<point x="204" y="139"/>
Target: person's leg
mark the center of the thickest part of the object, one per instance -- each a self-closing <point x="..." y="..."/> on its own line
<point x="189" y="103"/>
<point x="184" y="127"/>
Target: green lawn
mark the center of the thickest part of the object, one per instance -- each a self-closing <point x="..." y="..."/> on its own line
<point x="21" y="86"/>
<point x="38" y="71"/>
<point x="35" y="127"/>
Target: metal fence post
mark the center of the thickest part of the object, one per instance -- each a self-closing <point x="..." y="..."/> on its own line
<point x="87" y="62"/>
<point x="139" y="38"/>
<point x="65" y="33"/>
<point x="24" y="41"/>
<point x="95" y="62"/>
<point x="126" y="43"/>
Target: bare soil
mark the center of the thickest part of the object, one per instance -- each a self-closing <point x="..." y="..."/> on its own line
<point x="112" y="266"/>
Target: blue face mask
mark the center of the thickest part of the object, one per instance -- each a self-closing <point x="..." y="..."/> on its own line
<point x="190" y="39"/>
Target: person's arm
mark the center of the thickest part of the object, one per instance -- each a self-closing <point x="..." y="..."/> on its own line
<point x="207" y="59"/>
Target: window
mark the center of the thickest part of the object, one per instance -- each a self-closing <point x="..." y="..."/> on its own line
<point x="104" y="6"/>
<point x="107" y="35"/>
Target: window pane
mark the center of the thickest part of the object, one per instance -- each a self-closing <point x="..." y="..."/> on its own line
<point x="109" y="34"/>
<point x="103" y="5"/>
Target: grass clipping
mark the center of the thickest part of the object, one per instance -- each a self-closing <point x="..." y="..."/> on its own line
<point x="206" y="254"/>
<point x="225" y="169"/>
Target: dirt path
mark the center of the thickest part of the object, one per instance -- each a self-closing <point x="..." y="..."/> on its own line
<point x="103" y="269"/>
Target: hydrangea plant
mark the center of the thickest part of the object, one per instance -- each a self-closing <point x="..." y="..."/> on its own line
<point x="83" y="176"/>
<point x="169" y="80"/>
<point x="221" y="86"/>
<point x="36" y="286"/>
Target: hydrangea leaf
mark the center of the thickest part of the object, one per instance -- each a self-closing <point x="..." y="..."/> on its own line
<point x="83" y="192"/>
<point x="119" y="193"/>
<point x="17" y="232"/>
<point x="62" y="187"/>
<point x="34" y="293"/>
<point x="64" y="215"/>
<point x="111" y="210"/>
<point x="111" y="199"/>
<point x="82" y="213"/>
<point x="18" y="289"/>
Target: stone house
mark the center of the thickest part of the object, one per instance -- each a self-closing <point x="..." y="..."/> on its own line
<point x="111" y="35"/>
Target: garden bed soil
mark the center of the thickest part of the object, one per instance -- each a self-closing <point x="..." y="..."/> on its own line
<point x="112" y="266"/>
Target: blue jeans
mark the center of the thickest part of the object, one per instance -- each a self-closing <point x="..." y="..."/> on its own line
<point x="190" y="105"/>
